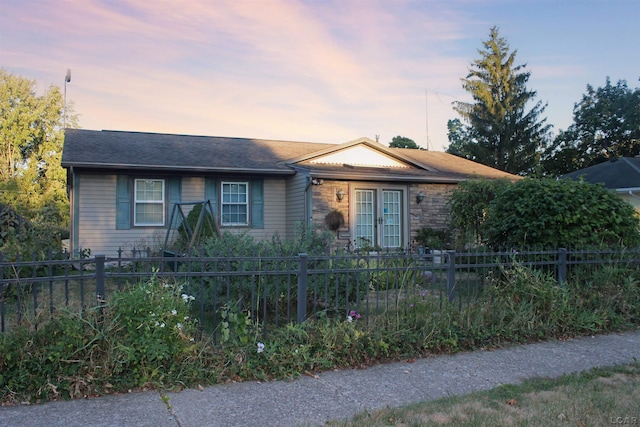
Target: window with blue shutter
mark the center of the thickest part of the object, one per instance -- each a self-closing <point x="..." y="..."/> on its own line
<point x="257" y="203"/>
<point x="175" y="195"/>
<point x="123" y="203"/>
<point x="147" y="201"/>
<point x="211" y="194"/>
<point x="236" y="203"/>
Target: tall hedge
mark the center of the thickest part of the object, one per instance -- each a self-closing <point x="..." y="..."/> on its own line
<point x="550" y="212"/>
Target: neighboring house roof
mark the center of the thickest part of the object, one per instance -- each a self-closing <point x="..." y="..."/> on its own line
<point x="620" y="173"/>
<point x="358" y="159"/>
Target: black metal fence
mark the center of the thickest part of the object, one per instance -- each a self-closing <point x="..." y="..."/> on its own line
<point x="280" y="290"/>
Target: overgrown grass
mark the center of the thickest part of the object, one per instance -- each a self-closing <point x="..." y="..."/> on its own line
<point x="602" y="396"/>
<point x="143" y="336"/>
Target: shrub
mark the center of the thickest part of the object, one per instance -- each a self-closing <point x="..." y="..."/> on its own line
<point x="433" y="238"/>
<point x="142" y="337"/>
<point x="549" y="212"/>
<point x="20" y="237"/>
<point x="275" y="293"/>
<point x="207" y="229"/>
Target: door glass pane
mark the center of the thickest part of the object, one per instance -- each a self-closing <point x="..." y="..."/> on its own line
<point x="365" y="218"/>
<point x="391" y="217"/>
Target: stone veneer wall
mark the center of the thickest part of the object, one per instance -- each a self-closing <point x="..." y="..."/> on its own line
<point x="325" y="200"/>
<point x="431" y="212"/>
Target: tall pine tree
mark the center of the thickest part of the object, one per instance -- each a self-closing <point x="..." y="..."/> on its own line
<point x="499" y="130"/>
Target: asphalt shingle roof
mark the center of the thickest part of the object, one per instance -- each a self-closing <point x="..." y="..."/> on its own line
<point x="153" y="151"/>
<point x="615" y="173"/>
<point x="137" y="150"/>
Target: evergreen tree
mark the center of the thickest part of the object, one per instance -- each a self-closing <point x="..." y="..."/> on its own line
<point x="501" y="132"/>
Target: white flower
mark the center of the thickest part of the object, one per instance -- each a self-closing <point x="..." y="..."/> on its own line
<point x="260" y="347"/>
<point x="162" y="325"/>
<point x="187" y="298"/>
<point x="174" y="312"/>
<point x="349" y="319"/>
<point x="179" y="325"/>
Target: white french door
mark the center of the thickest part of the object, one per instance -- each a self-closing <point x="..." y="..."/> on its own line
<point x="378" y="214"/>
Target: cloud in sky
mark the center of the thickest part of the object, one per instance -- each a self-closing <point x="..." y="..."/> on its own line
<point x="326" y="71"/>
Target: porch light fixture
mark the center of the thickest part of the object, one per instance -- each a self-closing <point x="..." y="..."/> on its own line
<point x="419" y="197"/>
<point x="340" y="194"/>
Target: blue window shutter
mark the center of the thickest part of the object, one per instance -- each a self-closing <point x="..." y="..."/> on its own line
<point x="175" y="196"/>
<point x="257" y="203"/>
<point x="211" y="194"/>
<point x="123" y="203"/>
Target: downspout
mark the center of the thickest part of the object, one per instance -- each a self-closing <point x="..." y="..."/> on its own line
<point x="74" y="213"/>
<point x="308" y="197"/>
<point x="633" y="195"/>
<point x="631" y="192"/>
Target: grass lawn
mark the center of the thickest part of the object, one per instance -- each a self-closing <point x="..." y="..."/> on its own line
<point x="602" y="396"/>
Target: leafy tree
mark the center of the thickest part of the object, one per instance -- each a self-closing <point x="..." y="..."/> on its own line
<point x="501" y="132"/>
<point x="606" y="124"/>
<point x="402" y="142"/>
<point x="32" y="180"/>
<point x="553" y="212"/>
<point x="469" y="204"/>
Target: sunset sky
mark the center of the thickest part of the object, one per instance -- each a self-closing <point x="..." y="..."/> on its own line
<point x="318" y="71"/>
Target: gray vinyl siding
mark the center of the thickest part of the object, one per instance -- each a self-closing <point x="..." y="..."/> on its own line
<point x="296" y="202"/>
<point x="97" y="215"/>
<point x="97" y="219"/>
<point x="275" y="219"/>
<point x="192" y="191"/>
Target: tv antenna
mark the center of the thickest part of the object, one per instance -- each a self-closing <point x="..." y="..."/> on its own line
<point x="426" y="111"/>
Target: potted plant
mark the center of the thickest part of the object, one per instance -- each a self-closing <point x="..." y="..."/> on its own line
<point x="434" y="240"/>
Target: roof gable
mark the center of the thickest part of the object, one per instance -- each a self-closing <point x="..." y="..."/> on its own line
<point x="359" y="155"/>
<point x="362" y="152"/>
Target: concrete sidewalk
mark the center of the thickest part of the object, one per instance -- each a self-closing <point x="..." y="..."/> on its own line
<point x="337" y="394"/>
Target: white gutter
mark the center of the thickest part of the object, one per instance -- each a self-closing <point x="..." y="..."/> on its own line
<point x="630" y="191"/>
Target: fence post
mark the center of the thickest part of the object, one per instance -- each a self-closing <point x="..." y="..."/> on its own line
<point x="100" y="294"/>
<point x="451" y="275"/>
<point x="302" y="287"/>
<point x="562" y="265"/>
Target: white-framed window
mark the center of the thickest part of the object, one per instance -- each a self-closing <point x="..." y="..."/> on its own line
<point x="235" y="203"/>
<point x="149" y="202"/>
